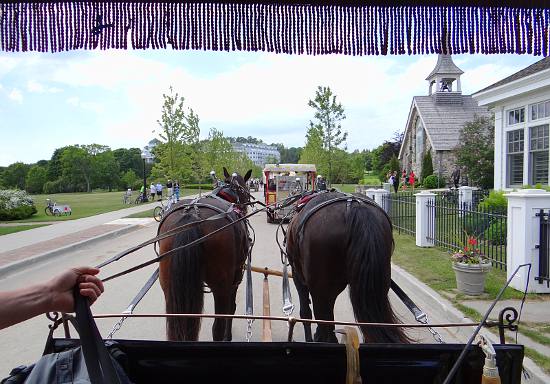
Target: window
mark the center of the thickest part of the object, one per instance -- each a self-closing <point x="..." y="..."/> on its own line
<point x="539" y="154"/>
<point x="515" y="157"/>
<point x="516" y="116"/>
<point x="540" y="110"/>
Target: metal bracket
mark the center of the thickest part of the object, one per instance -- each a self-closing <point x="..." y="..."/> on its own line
<point x="510" y="317"/>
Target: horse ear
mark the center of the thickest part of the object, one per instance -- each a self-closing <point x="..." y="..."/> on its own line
<point x="248" y="174"/>
<point x="225" y="173"/>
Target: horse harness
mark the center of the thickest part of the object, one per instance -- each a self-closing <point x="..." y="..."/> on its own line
<point x="349" y="199"/>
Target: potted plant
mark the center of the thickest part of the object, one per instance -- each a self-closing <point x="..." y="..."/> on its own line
<point x="471" y="267"/>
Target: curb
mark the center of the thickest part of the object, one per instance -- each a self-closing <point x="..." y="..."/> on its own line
<point x="410" y="283"/>
<point x="18" y="265"/>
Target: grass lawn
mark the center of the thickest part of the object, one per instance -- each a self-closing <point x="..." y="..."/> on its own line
<point x="84" y="204"/>
<point x="18" y="228"/>
<point x="348" y="188"/>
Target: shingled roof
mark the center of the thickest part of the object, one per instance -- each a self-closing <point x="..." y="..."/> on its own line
<point x="445" y="66"/>
<point x="443" y="122"/>
<point x="540" y="65"/>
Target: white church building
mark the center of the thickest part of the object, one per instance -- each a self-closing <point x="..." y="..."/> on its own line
<point x="521" y="107"/>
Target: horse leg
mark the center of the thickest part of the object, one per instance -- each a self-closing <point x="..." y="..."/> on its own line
<point x="222" y="305"/>
<point x="228" y="336"/>
<point x="324" y="310"/>
<point x="305" y="309"/>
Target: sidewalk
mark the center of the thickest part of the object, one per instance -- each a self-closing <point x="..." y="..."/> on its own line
<point x="23" y="248"/>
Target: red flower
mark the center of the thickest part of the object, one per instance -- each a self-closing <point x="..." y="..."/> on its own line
<point x="472" y="241"/>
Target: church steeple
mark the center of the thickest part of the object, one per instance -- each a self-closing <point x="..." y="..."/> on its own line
<point x="446" y="78"/>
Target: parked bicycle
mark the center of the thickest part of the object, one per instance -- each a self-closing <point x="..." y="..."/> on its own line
<point x="54" y="209"/>
<point x="127" y="197"/>
<point x="160" y="211"/>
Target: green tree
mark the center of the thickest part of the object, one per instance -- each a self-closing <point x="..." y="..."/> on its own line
<point x="427" y="166"/>
<point x="15" y="174"/>
<point x="129" y="179"/>
<point x="328" y="115"/>
<point x="179" y="133"/>
<point x="36" y="178"/>
<point x="129" y="159"/>
<point x="313" y="152"/>
<point x="217" y="152"/>
<point x="77" y="168"/>
<point x="357" y="166"/>
<point x="476" y="151"/>
<point x="105" y="170"/>
<point x="55" y="168"/>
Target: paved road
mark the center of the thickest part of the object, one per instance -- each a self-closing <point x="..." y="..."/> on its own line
<point x="23" y="343"/>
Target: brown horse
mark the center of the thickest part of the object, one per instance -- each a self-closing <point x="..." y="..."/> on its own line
<point x="336" y="240"/>
<point x="217" y="262"/>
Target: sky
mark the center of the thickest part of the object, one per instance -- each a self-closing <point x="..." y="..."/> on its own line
<point x="114" y="97"/>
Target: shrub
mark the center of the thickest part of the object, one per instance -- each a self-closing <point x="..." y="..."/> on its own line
<point x="15" y="205"/>
<point x="495" y="202"/>
<point x="427" y="166"/>
<point x="496" y="233"/>
<point x="475" y="224"/>
<point x="432" y="181"/>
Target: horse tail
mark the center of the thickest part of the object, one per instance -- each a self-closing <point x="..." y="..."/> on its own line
<point x="186" y="294"/>
<point x="370" y="246"/>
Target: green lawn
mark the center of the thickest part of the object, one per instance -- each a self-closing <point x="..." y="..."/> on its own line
<point x="433" y="267"/>
<point x="18" y="228"/>
<point x="84" y="204"/>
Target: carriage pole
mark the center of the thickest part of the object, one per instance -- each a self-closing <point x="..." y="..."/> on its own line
<point x="266" y="331"/>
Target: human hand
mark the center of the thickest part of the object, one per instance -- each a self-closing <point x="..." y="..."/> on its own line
<point x="61" y="287"/>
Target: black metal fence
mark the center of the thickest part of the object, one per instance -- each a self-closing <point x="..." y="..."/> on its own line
<point x="402" y="209"/>
<point x="544" y="248"/>
<point x="452" y="225"/>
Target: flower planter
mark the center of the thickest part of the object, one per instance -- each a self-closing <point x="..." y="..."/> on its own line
<point x="470" y="278"/>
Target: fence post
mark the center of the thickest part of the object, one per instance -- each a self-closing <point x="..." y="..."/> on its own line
<point x="523" y="236"/>
<point x="381" y="198"/>
<point x="370" y="192"/>
<point x="465" y="198"/>
<point x="425" y="219"/>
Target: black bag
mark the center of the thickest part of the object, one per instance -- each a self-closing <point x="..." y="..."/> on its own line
<point x="89" y="363"/>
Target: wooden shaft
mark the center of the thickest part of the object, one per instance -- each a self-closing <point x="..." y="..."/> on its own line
<point x="267" y="271"/>
<point x="266" y="332"/>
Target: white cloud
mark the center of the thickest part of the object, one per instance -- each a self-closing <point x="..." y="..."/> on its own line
<point x="34" y="86"/>
<point x="16" y="96"/>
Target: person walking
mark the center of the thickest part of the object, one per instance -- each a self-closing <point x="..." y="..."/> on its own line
<point x="169" y="188"/>
<point x="177" y="190"/>
<point x="158" y="187"/>
<point x="152" y="191"/>
<point x="411" y="179"/>
<point x="395" y="181"/>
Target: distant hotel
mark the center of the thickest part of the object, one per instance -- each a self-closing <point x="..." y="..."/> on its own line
<point x="258" y="153"/>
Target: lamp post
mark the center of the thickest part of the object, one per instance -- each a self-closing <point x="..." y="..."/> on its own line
<point x="147" y="158"/>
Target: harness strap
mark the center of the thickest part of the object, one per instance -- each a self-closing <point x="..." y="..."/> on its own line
<point x="344" y="197"/>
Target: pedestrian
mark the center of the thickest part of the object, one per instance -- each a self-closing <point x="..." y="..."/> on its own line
<point x="455" y="176"/>
<point x="411" y="179"/>
<point x="395" y="181"/>
<point x="152" y="191"/>
<point x="159" y="191"/>
<point x="404" y="178"/>
<point x="169" y="188"/>
<point x="177" y="190"/>
<point x="54" y="295"/>
<point x="142" y="193"/>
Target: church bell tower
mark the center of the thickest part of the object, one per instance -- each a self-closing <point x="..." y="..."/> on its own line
<point x="444" y="81"/>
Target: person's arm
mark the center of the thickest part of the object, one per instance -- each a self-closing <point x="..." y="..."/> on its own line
<point x="54" y="295"/>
